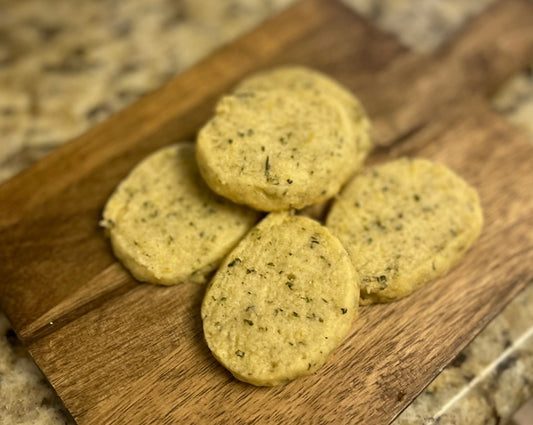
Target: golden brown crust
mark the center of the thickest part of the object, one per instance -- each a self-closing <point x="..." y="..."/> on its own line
<point x="404" y="223"/>
<point x="281" y="301"/>
<point x="275" y="151"/>
<point x="166" y="226"/>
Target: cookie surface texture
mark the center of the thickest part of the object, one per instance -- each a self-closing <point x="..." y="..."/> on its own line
<point x="299" y="78"/>
<point x="275" y="151"/>
<point x="404" y="223"/>
<point x="166" y="226"/>
<point x="281" y="301"/>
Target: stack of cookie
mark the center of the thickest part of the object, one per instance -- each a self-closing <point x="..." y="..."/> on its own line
<point x="287" y="290"/>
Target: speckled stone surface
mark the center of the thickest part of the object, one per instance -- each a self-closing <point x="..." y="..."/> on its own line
<point x="64" y="66"/>
<point x="489" y="380"/>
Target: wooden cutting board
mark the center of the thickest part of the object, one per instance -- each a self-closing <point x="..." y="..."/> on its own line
<point x="120" y="352"/>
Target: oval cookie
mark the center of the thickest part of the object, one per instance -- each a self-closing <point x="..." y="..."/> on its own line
<point x="275" y="151"/>
<point x="404" y="223"/>
<point x="281" y="301"/>
<point x="166" y="226"/>
<point x="299" y="78"/>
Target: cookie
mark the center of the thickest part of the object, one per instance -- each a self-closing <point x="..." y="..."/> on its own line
<point x="281" y="302"/>
<point x="272" y="150"/>
<point x="166" y="226"/>
<point x="404" y="223"/>
<point x="299" y="78"/>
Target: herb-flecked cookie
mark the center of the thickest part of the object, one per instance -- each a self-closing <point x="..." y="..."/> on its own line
<point x="275" y="151"/>
<point x="404" y="223"/>
<point x="166" y="226"/>
<point x="281" y="301"/>
<point x="299" y="78"/>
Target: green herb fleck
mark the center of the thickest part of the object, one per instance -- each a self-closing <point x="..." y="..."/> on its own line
<point x="290" y="282"/>
<point x="344" y="310"/>
<point x="289" y="181"/>
<point x="267" y="168"/>
<point x="235" y="262"/>
<point x="248" y="322"/>
<point x="313" y="316"/>
<point x="295" y="314"/>
<point x="314" y="241"/>
<point x="239" y="353"/>
<point x="109" y="223"/>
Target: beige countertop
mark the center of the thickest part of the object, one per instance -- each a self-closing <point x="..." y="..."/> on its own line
<point x="64" y="66"/>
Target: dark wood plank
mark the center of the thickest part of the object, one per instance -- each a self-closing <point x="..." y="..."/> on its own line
<point x="66" y="191"/>
<point x="49" y="238"/>
<point x="475" y="63"/>
<point x="393" y="351"/>
<point x="121" y="352"/>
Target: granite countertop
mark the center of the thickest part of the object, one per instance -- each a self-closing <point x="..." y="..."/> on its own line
<point x="64" y="66"/>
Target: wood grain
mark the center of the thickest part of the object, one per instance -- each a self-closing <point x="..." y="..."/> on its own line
<point x="54" y="207"/>
<point x="391" y="354"/>
<point x="476" y="63"/>
<point x="122" y="352"/>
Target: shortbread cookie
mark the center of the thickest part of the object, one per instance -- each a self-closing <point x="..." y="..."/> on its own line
<point x="275" y="151"/>
<point x="404" y="223"/>
<point x="299" y="78"/>
<point x="281" y="301"/>
<point x="166" y="226"/>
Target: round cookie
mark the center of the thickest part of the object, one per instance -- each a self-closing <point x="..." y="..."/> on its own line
<point x="281" y="301"/>
<point x="275" y="151"/>
<point x="404" y="223"/>
<point x="299" y="78"/>
<point x="166" y="226"/>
